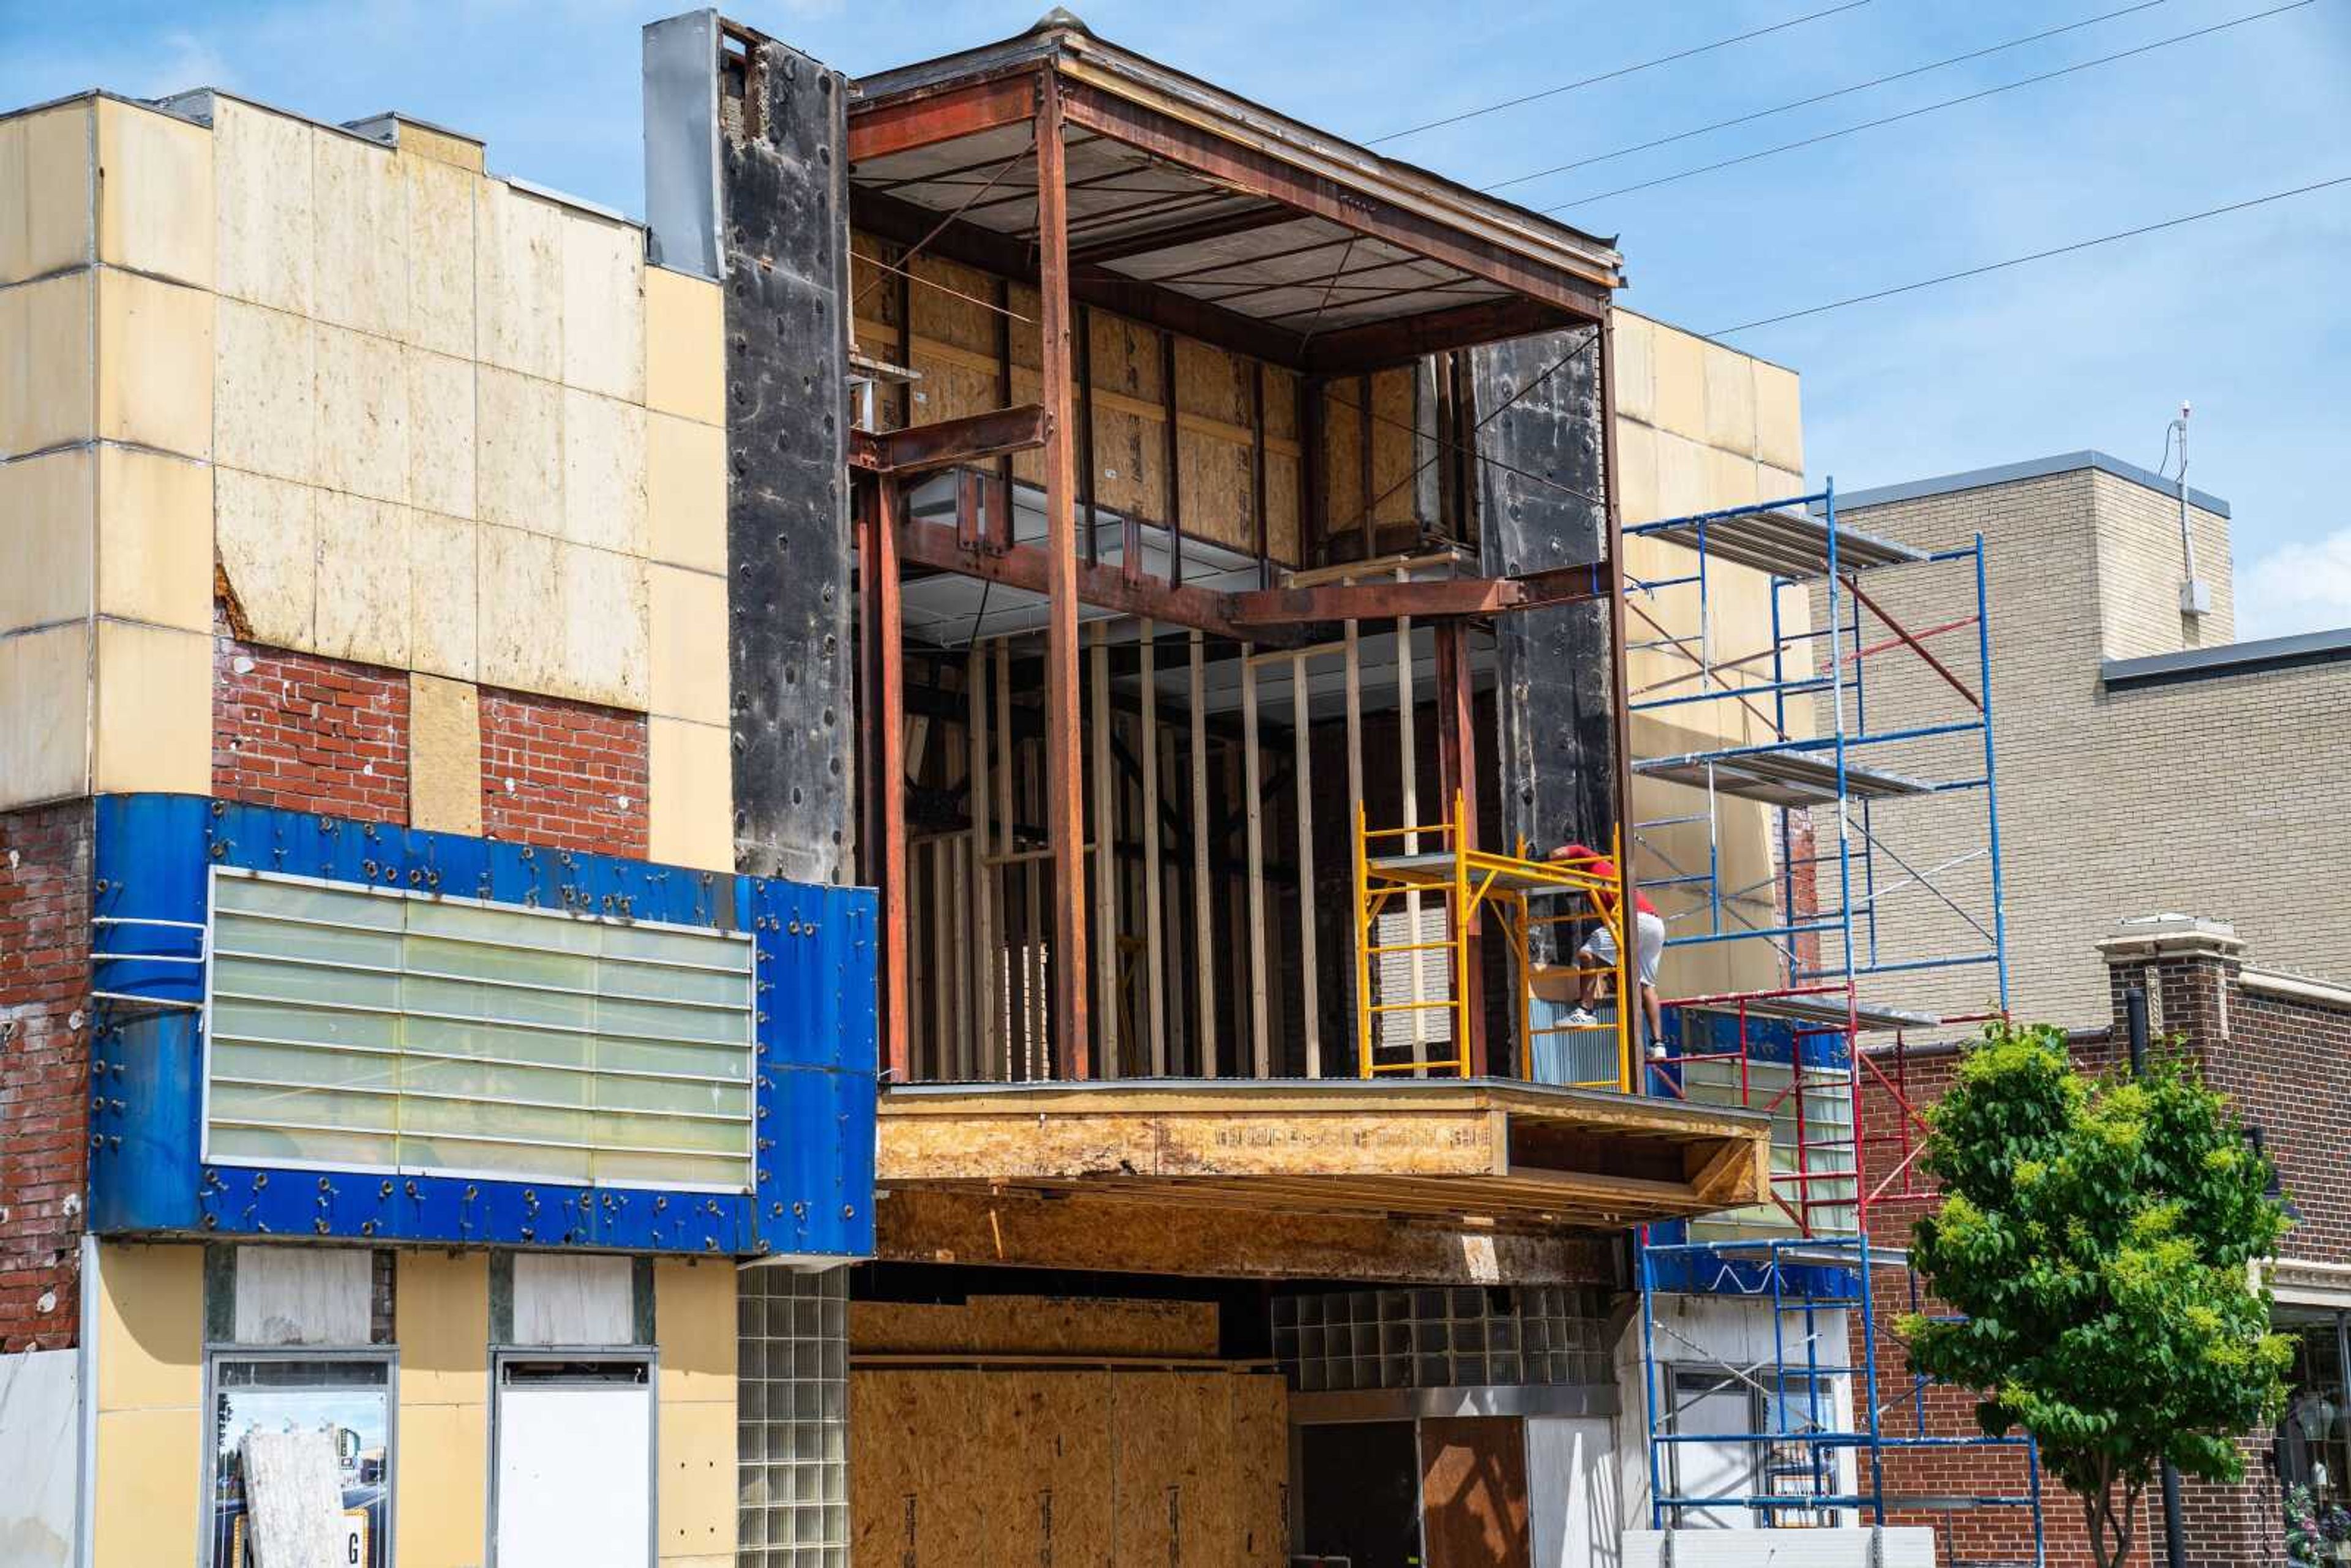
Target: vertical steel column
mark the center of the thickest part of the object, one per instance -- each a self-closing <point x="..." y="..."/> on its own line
<point x="890" y="768"/>
<point x="1064" y="788"/>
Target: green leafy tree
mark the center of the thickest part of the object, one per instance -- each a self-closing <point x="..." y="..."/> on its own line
<point x="2096" y="1241"/>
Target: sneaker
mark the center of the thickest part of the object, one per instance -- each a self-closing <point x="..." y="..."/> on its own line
<point x="1581" y="1019"/>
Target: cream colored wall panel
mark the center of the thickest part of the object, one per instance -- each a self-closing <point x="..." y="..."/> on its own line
<point x="1778" y="484"/>
<point x="363" y="580"/>
<point x="1634" y="347"/>
<point x="443" y="1300"/>
<point x="1682" y="477"/>
<point x="440" y="1486"/>
<point x="604" y="307"/>
<point x="689" y="644"/>
<point x="151" y="1324"/>
<point x="153" y="723"/>
<point x="694" y="1502"/>
<point x="1730" y="479"/>
<point x="149" y="1462"/>
<point x="519" y="451"/>
<point x="362" y="413"/>
<point x="45" y="713"/>
<point x="686" y="492"/>
<point x="48" y="522"/>
<point x="690" y="795"/>
<point x="49" y="373"/>
<point x="603" y="630"/>
<point x="1730" y="399"/>
<point x="443" y="560"/>
<point x="518" y="280"/>
<point x="262" y="173"/>
<point x="154" y="363"/>
<point x="1779" y="418"/>
<point x="360" y="278"/>
<point x="519" y="634"/>
<point x="1678" y="365"/>
<point x="45" y="190"/>
<point x="265" y="387"/>
<point x="441" y="438"/>
<point x="694" y="1312"/>
<point x="155" y="207"/>
<point x="1637" y="472"/>
<point x="440" y="262"/>
<point x="603" y="472"/>
<point x="444" y="766"/>
<point x="265" y="535"/>
<point x="155" y="539"/>
<point x="442" y="146"/>
<point x="686" y="359"/>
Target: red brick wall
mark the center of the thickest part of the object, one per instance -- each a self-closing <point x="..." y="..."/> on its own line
<point x="309" y="734"/>
<point x="2285" y="1064"/>
<point x="567" y="775"/>
<point x="45" y="890"/>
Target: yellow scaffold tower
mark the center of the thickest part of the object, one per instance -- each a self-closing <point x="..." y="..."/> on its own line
<point x="1426" y="868"/>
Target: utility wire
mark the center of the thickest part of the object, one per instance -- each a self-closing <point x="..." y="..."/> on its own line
<point x="1931" y="108"/>
<point x="1825" y="97"/>
<point x="1619" y="71"/>
<point x="2036" y="255"/>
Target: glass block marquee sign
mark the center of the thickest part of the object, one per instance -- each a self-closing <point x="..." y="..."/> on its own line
<point x="310" y="1026"/>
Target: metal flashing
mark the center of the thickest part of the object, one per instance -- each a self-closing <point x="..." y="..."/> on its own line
<point x="682" y="154"/>
<point x="2014" y="472"/>
<point x="2262" y="656"/>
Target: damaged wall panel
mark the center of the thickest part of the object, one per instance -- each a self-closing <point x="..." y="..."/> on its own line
<point x="785" y="189"/>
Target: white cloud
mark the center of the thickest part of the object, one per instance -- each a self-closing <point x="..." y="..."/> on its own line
<point x="2303" y="586"/>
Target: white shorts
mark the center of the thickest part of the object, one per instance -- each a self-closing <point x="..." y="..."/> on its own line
<point x="1648" y="944"/>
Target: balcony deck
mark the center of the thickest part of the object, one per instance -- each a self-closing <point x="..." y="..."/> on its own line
<point x="1485" y="1151"/>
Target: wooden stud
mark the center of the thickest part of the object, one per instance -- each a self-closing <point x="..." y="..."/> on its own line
<point x="1105" y="864"/>
<point x="1065" y="805"/>
<point x="1309" y="982"/>
<point x="983" y="876"/>
<point x="1204" y="958"/>
<point x="1253" y="870"/>
<point x="1155" y="977"/>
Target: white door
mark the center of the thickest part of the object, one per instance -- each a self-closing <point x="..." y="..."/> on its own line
<point x="1705" y="1403"/>
<point x="1571" y="1515"/>
<point x="575" y="1465"/>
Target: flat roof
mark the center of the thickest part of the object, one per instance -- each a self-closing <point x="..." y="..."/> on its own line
<point x="2032" y="468"/>
<point x="2256" y="657"/>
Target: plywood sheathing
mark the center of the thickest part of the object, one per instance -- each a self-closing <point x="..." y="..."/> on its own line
<point x="969" y="1468"/>
<point x="1514" y="1157"/>
<point x="1035" y="1325"/>
<point x="1117" y="1235"/>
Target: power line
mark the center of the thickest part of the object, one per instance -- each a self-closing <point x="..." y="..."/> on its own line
<point x="2036" y="255"/>
<point x="1619" y="71"/>
<point x="1825" y="97"/>
<point x="1929" y="108"/>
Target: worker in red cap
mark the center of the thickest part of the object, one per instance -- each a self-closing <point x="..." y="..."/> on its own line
<point x="1598" y="953"/>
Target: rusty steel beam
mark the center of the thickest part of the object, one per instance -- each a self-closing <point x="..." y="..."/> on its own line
<point x="904" y="124"/>
<point x="1257" y="171"/>
<point x="937" y="547"/>
<point x="1381" y="344"/>
<point x="1064" y="791"/>
<point x="1435" y="598"/>
<point x="951" y="442"/>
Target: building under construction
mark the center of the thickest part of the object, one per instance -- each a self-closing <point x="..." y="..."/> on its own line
<point x="1204" y="577"/>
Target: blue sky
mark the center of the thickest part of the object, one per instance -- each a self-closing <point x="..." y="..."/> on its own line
<point x="2248" y="316"/>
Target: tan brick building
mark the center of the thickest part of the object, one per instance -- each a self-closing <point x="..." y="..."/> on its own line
<point x="2146" y="759"/>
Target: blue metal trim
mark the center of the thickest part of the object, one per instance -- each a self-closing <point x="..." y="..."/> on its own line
<point x="815" y="1028"/>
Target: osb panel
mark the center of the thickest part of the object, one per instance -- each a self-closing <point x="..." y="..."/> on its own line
<point x="1028" y="328"/>
<point x="954" y="304"/>
<point x="1041" y="1325"/>
<point x="1045" y="1467"/>
<point x="1213" y="382"/>
<point x="950" y="388"/>
<point x="1343" y="456"/>
<point x="1260" y="1444"/>
<point x="1168" y="1432"/>
<point x="1218" y="487"/>
<point x="1282" y="393"/>
<point x="1130" y="462"/>
<point x="1282" y="477"/>
<point x="1394" y="495"/>
<point x="873" y="288"/>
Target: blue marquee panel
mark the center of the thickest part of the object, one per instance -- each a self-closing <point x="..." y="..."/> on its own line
<point x="815" y="1028"/>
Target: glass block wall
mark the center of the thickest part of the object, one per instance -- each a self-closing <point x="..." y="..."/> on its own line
<point x="1441" y="1338"/>
<point x="793" y="1418"/>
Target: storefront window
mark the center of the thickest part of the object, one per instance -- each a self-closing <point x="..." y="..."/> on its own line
<point x="348" y="1398"/>
<point x="2313" y="1442"/>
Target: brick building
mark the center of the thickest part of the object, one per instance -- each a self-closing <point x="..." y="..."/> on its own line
<point x="2279" y="1045"/>
<point x="2146" y="760"/>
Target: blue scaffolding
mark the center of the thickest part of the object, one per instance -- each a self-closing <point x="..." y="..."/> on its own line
<point x="1828" y="755"/>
